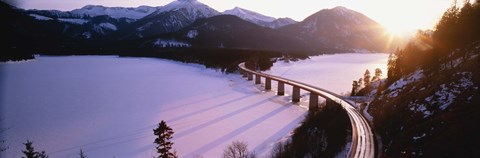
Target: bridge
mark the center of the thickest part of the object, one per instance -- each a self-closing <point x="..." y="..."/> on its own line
<point x="363" y="145"/>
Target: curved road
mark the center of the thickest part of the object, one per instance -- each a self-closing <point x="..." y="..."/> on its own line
<point x="363" y="145"/>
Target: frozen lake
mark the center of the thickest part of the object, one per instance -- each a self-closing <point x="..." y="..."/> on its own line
<point x="108" y="106"/>
<point x="332" y="72"/>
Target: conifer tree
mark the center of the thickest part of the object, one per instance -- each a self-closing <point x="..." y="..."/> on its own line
<point x="366" y="78"/>
<point x="378" y="75"/>
<point x="164" y="145"/>
<point x="354" y="88"/>
<point x="82" y="154"/>
<point x="30" y="151"/>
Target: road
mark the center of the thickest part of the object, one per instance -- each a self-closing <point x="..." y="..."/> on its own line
<point x="363" y="143"/>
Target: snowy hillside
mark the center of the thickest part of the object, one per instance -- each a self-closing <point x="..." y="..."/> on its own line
<point x="258" y="18"/>
<point x="169" y="18"/>
<point x="248" y="15"/>
<point x="192" y="9"/>
<point x="116" y="12"/>
<point x="428" y="110"/>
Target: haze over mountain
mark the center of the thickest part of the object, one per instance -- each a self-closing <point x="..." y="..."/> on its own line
<point x="98" y="28"/>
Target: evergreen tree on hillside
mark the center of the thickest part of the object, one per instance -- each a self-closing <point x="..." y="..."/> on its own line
<point x="378" y="75"/>
<point x="164" y="145"/>
<point x="366" y="78"/>
<point x="354" y="88"/>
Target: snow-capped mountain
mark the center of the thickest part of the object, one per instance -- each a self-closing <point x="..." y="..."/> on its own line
<point x="115" y="12"/>
<point x="171" y="17"/>
<point x="193" y="9"/>
<point x="228" y="31"/>
<point x="92" y="21"/>
<point x="258" y="18"/>
<point x="339" y="29"/>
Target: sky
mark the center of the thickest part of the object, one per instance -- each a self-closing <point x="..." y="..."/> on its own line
<point x="396" y="15"/>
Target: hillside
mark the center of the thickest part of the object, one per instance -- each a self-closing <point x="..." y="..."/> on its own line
<point x="429" y="106"/>
<point x="432" y="114"/>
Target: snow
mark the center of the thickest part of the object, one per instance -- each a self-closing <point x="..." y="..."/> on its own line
<point x="163" y="43"/>
<point x="250" y="16"/>
<point x="366" y="114"/>
<point x="73" y="21"/>
<point x="107" y="106"/>
<point x="193" y="8"/>
<point x="192" y="34"/>
<point x="332" y="72"/>
<point x="419" y="137"/>
<point x="115" y="12"/>
<point x="447" y="93"/>
<point x="398" y="86"/>
<point x="109" y="26"/>
<point x="100" y="28"/>
<point x="416" y="107"/>
<point x="259" y="19"/>
<point x="87" y="35"/>
<point x="142" y="28"/>
<point x="39" y="17"/>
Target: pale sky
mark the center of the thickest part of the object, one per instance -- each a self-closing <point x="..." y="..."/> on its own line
<point x="396" y="15"/>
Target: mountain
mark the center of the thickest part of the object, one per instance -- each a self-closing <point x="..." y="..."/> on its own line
<point x="280" y="22"/>
<point x="91" y="21"/>
<point x="26" y="34"/>
<point x="171" y="17"/>
<point x="329" y="30"/>
<point x="339" y="29"/>
<point x="81" y="27"/>
<point x="259" y="19"/>
<point x="226" y="31"/>
<point x="115" y="12"/>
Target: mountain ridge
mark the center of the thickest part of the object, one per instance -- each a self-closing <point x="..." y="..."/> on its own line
<point x="316" y="34"/>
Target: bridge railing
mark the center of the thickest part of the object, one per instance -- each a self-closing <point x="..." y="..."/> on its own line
<point x="362" y="137"/>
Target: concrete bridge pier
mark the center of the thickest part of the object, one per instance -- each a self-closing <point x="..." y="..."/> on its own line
<point x="250" y="76"/>
<point x="268" y="84"/>
<point x="296" y="94"/>
<point x="281" y="88"/>
<point x="257" y="79"/>
<point x="313" y="103"/>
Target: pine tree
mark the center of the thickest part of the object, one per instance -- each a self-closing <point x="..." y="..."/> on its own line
<point x="82" y="154"/>
<point x="366" y="78"/>
<point x="360" y="83"/>
<point x="2" y="142"/>
<point x="30" y="151"/>
<point x="378" y="75"/>
<point x="354" y="88"/>
<point x="164" y="145"/>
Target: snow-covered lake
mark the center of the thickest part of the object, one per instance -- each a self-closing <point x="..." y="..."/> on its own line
<point x="108" y="106"/>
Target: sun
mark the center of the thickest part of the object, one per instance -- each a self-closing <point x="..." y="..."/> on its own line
<point x="396" y="27"/>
